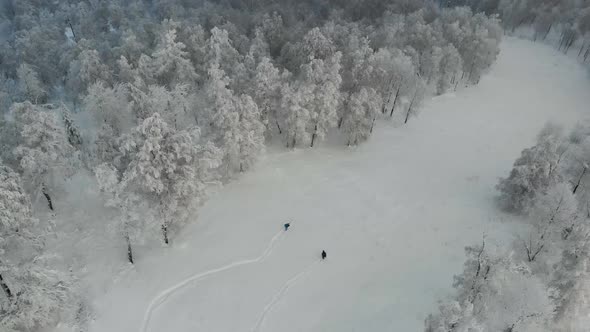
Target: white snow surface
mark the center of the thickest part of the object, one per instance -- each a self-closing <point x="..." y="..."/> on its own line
<point x="393" y="215"/>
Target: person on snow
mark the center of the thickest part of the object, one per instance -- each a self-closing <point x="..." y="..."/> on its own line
<point x="324" y="255"/>
<point x="287" y="226"/>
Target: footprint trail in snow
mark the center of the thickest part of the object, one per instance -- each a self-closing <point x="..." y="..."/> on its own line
<point x="165" y="294"/>
<point x="280" y="294"/>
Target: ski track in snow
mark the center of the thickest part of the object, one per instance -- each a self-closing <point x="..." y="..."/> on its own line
<point x="280" y="294"/>
<point x="164" y="295"/>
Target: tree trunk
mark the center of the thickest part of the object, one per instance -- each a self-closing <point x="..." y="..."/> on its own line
<point x="579" y="180"/>
<point x="586" y="53"/>
<point x="532" y="255"/>
<point x="46" y="194"/>
<point x="410" y="109"/>
<point x="372" y="124"/>
<point x="561" y="39"/>
<point x="394" y="102"/>
<point x="581" y="49"/>
<point x="566" y="232"/>
<point x="5" y="288"/>
<point x="129" y="249"/>
<point x="384" y="107"/>
<point x="470" y="77"/>
<point x="165" y="233"/>
<point x="72" y="29"/>
<point x="279" y="127"/>
<point x="314" y="135"/>
<point x="570" y="42"/>
<point x="340" y="122"/>
<point x="547" y="32"/>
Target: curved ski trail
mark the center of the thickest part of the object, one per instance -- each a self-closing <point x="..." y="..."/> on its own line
<point x="280" y="294"/>
<point x="165" y="294"/>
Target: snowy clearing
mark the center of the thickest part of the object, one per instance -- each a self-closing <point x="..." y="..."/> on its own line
<point x="393" y="214"/>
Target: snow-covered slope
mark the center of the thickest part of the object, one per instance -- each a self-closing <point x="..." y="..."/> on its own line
<point x="393" y="216"/>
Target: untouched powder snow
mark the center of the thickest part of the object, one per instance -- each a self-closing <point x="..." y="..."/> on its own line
<point x="393" y="215"/>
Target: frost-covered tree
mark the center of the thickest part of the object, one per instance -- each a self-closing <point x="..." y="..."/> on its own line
<point x="396" y="76"/>
<point x="450" y="69"/>
<point x="317" y="45"/>
<point x="494" y="294"/>
<point x="112" y="110"/>
<point x="363" y="107"/>
<point x="553" y="214"/>
<point x="196" y="47"/>
<point x="430" y="64"/>
<point x="570" y="280"/>
<point x="537" y="169"/>
<point x="40" y="46"/>
<point x="109" y="106"/>
<point x="268" y="83"/>
<point x="418" y="95"/>
<point x="295" y="114"/>
<point x="272" y="26"/>
<point x="130" y="222"/>
<point x="323" y="79"/>
<point x="221" y="52"/>
<point x="132" y="46"/>
<point x="127" y="73"/>
<point x="357" y="71"/>
<point x="251" y="132"/>
<point x="29" y="84"/>
<point x="86" y="70"/>
<point x="225" y="119"/>
<point x="576" y="162"/>
<point x="173" y="104"/>
<point x="44" y="150"/>
<point x="9" y="138"/>
<point x="43" y="297"/>
<point x="72" y="130"/>
<point x="34" y="295"/>
<point x="15" y="224"/>
<point x="481" y="49"/>
<point x="171" y="63"/>
<point x="168" y="168"/>
<point x="145" y="70"/>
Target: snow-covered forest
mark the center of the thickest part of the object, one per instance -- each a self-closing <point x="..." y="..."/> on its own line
<point x="570" y="19"/>
<point x="155" y="102"/>
<point x="541" y="281"/>
<point x="120" y="119"/>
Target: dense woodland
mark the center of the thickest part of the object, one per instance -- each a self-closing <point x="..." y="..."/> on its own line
<point x="541" y="281"/>
<point x="118" y="117"/>
<point x="568" y="19"/>
<point x="150" y="105"/>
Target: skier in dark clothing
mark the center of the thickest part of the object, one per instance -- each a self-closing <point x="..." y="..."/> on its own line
<point x="287" y="226"/>
<point x="324" y="255"/>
